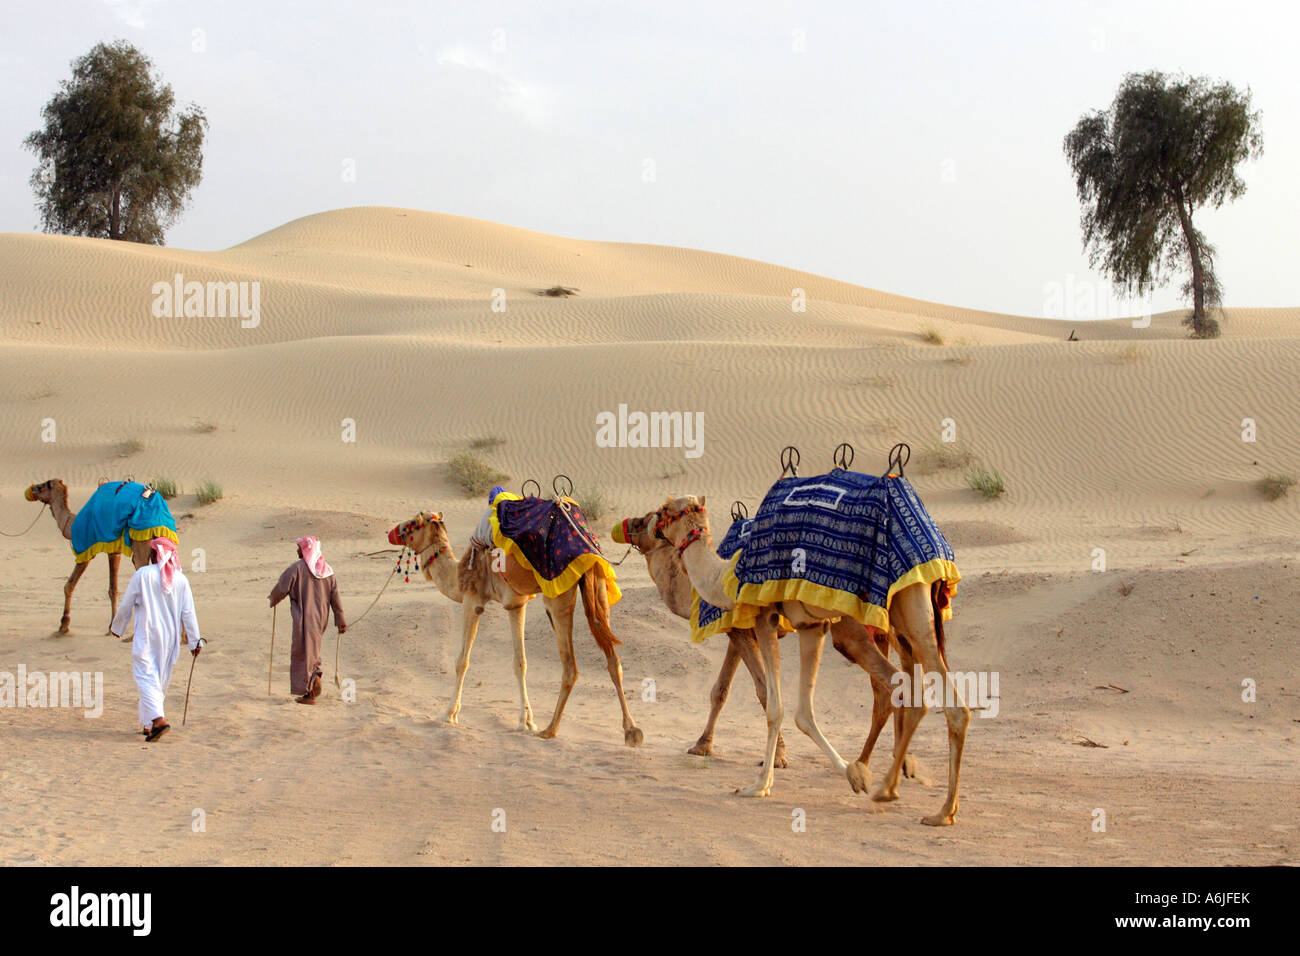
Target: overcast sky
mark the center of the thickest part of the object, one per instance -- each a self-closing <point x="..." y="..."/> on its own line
<point x="910" y="147"/>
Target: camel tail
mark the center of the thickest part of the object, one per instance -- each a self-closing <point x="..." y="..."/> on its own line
<point x="595" y="602"/>
<point x="939" y="601"/>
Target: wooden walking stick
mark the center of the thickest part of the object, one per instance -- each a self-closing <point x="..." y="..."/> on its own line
<point x="193" y="660"/>
<point x="271" y="662"/>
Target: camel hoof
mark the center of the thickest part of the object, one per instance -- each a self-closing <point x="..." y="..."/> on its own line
<point x="779" y="761"/>
<point x="702" y="748"/>
<point x="633" y="737"/>
<point x="451" y="717"/>
<point x="859" y="777"/>
<point x="884" y="795"/>
<point x="754" y="792"/>
<point x="939" y="820"/>
<point x="547" y="734"/>
<point x="526" y="725"/>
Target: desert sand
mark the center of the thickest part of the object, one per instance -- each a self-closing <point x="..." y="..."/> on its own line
<point x="1128" y="440"/>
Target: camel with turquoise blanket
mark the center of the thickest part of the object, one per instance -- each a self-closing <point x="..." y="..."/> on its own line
<point x="121" y="517"/>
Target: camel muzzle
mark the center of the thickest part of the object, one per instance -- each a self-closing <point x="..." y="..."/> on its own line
<point x="30" y="493"/>
<point x="619" y="534"/>
<point x="394" y="537"/>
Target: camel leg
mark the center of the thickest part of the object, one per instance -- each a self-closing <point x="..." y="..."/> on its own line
<point x="71" y="585"/>
<point x="748" y="649"/>
<point x="906" y="720"/>
<point x="718" y="696"/>
<point x="114" y="560"/>
<point x="560" y="611"/>
<point x="913" y="618"/>
<point x="632" y="735"/>
<point x="811" y="640"/>
<point x="768" y="645"/>
<point x="857" y="644"/>
<point x="521" y="667"/>
<point x="471" y="611"/>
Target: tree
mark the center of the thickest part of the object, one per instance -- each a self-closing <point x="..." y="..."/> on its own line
<point x="1166" y="147"/>
<point x="115" y="160"/>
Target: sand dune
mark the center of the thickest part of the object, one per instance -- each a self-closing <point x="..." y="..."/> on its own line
<point x="1128" y="440"/>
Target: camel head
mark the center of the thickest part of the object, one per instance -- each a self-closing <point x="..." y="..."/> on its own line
<point x="421" y="533"/>
<point x="47" y="491"/>
<point x="639" y="533"/>
<point x="680" y="521"/>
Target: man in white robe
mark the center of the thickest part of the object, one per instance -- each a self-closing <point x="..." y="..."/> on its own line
<point x="159" y="597"/>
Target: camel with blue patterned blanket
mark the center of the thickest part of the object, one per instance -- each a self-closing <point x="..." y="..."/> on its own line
<point x="913" y="612"/>
<point x="848" y="637"/>
<point x="121" y="517"/>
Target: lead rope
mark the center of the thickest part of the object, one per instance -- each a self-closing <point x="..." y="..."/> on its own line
<point x="338" y="637"/>
<point x="44" y="505"/>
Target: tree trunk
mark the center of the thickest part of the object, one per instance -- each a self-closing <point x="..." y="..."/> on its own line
<point x="115" y="214"/>
<point x="1198" y="270"/>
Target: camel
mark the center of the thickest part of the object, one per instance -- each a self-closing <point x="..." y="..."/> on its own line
<point x="513" y="587"/>
<point x="914" y="619"/>
<point x="55" y="494"/>
<point x="848" y="636"/>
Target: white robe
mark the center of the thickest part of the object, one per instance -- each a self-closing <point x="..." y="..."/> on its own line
<point x="157" y="644"/>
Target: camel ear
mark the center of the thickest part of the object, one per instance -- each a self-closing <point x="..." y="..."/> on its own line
<point x="437" y="516"/>
<point x="701" y="501"/>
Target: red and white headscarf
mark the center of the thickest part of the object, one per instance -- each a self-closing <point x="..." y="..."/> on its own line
<point x="310" y="548"/>
<point x="168" y="560"/>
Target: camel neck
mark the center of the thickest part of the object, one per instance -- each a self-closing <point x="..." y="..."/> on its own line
<point x="669" y="576"/>
<point x="705" y="570"/>
<point x="440" y="568"/>
<point x="63" y="515"/>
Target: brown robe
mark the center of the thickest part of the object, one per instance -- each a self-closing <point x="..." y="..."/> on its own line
<point x="311" y="599"/>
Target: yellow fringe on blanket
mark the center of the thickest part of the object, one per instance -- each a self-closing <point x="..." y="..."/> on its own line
<point x="121" y="547"/>
<point x="750" y="597"/>
<point x="570" y="576"/>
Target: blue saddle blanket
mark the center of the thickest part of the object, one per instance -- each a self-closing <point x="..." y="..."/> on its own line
<point x="843" y="541"/>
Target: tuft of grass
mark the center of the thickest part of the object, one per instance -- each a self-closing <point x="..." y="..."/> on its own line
<point x="595" y="504"/>
<point x="487" y="443"/>
<point x="557" y="291"/>
<point x="166" y="487"/>
<point x="1130" y="354"/>
<point x="1274" y="487"/>
<point x="132" y="446"/>
<point x="473" y="474"/>
<point x="931" y="336"/>
<point x="878" y="381"/>
<point x="205" y="428"/>
<point x="944" y="456"/>
<point x="208" y="491"/>
<point x="986" y="481"/>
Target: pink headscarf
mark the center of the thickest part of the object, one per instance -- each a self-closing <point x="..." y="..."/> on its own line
<point x="310" y="548"/>
<point x="168" y="560"/>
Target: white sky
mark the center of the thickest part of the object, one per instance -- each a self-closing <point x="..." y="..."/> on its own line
<point x="911" y="147"/>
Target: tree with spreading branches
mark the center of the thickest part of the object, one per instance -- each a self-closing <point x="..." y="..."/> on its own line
<point x="116" y="159"/>
<point x="1166" y="147"/>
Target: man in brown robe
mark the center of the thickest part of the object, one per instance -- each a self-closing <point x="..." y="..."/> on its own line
<point x="312" y="590"/>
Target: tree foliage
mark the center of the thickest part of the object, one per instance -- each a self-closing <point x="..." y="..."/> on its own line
<point x="116" y="159"/>
<point x="1166" y="147"/>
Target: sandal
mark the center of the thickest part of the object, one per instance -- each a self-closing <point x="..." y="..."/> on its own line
<point x="156" y="732"/>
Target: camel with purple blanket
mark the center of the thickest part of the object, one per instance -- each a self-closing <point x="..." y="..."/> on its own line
<point x="539" y="546"/>
<point x="121" y="517"/>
